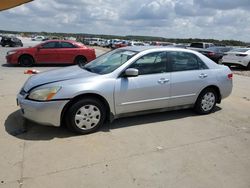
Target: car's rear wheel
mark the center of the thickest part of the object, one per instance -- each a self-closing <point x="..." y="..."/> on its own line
<point x="85" y="116"/>
<point x="206" y="101"/>
<point x="26" y="61"/>
<point x="81" y="61"/>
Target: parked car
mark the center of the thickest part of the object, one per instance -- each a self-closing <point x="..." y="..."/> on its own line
<point x="96" y="41"/>
<point x="122" y="82"/>
<point x="11" y="41"/>
<point x="52" y="52"/>
<point x="38" y="38"/>
<point x="238" y="57"/>
<point x="135" y="43"/>
<point x="201" y="45"/>
<point x="217" y="52"/>
<point x="121" y="44"/>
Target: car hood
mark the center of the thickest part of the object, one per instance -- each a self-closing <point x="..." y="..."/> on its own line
<point x="56" y="75"/>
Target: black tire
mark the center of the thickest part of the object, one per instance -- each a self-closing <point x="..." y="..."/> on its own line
<point x="26" y="61"/>
<point x="81" y="61"/>
<point x="88" y="120"/>
<point x="206" y="106"/>
<point x="248" y="66"/>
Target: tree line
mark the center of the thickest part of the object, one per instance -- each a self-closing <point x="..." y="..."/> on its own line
<point x="129" y="37"/>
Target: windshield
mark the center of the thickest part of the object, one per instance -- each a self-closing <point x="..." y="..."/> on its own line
<point x="110" y="61"/>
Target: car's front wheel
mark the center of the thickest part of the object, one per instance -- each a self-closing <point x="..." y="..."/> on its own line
<point x="26" y="61"/>
<point x="206" y="101"/>
<point x="85" y="116"/>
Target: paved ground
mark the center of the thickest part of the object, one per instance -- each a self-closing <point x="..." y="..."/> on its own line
<point x="172" y="149"/>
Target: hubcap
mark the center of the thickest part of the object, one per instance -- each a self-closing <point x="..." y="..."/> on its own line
<point x="208" y="101"/>
<point x="87" y="117"/>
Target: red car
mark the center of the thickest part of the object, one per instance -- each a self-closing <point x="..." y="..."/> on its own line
<point x="52" y="52"/>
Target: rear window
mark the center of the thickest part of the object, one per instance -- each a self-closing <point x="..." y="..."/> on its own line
<point x="196" y="45"/>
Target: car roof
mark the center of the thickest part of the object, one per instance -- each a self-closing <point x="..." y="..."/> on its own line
<point x="57" y="40"/>
<point x="145" y="48"/>
<point x="142" y="48"/>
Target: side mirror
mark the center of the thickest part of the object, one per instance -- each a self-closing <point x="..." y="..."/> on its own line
<point x="39" y="48"/>
<point x="131" y="72"/>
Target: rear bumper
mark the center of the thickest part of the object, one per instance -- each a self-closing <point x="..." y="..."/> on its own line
<point x="47" y="113"/>
<point x="237" y="63"/>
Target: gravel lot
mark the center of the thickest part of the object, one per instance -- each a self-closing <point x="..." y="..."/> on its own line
<point x="171" y="149"/>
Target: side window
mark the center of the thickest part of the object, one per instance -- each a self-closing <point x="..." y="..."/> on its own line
<point x="184" y="61"/>
<point x="151" y="63"/>
<point x="50" y="45"/>
<point x="206" y="45"/>
<point x="67" y="45"/>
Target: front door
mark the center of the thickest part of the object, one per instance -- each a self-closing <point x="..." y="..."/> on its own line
<point x="48" y="53"/>
<point x="149" y="90"/>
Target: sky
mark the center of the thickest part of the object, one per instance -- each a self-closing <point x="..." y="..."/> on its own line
<point x="217" y="19"/>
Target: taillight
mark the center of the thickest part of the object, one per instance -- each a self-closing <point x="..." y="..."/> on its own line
<point x="211" y="53"/>
<point x="230" y="76"/>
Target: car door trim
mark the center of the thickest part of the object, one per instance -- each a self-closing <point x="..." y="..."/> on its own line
<point x="147" y="100"/>
<point x="181" y="96"/>
<point x="158" y="99"/>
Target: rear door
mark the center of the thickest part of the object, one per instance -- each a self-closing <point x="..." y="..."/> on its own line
<point x="67" y="52"/>
<point x="149" y="90"/>
<point x="48" y="53"/>
<point x="188" y="76"/>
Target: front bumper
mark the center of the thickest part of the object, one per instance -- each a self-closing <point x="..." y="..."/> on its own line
<point x="47" y="113"/>
<point x="11" y="59"/>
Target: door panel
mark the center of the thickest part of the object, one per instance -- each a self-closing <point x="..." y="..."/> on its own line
<point x="47" y="56"/>
<point x="67" y="55"/>
<point x="143" y="92"/>
<point x="189" y="75"/>
<point x="47" y="53"/>
<point x="186" y="85"/>
<point x="67" y="52"/>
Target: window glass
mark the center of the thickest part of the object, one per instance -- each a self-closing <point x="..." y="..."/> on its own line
<point x="110" y="61"/>
<point x="183" y="61"/>
<point x="67" y="45"/>
<point x="50" y="45"/>
<point x="151" y="63"/>
<point x="196" y="45"/>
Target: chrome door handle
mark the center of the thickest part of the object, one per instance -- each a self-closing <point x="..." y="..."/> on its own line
<point x="163" y="80"/>
<point x="202" y="75"/>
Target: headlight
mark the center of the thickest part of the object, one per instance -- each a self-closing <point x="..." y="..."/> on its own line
<point x="45" y="94"/>
<point x="11" y="52"/>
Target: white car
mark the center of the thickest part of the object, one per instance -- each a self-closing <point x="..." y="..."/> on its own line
<point x="38" y="38"/>
<point x="239" y="57"/>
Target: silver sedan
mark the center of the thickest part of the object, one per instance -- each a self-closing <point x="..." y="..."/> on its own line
<point x="122" y="82"/>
